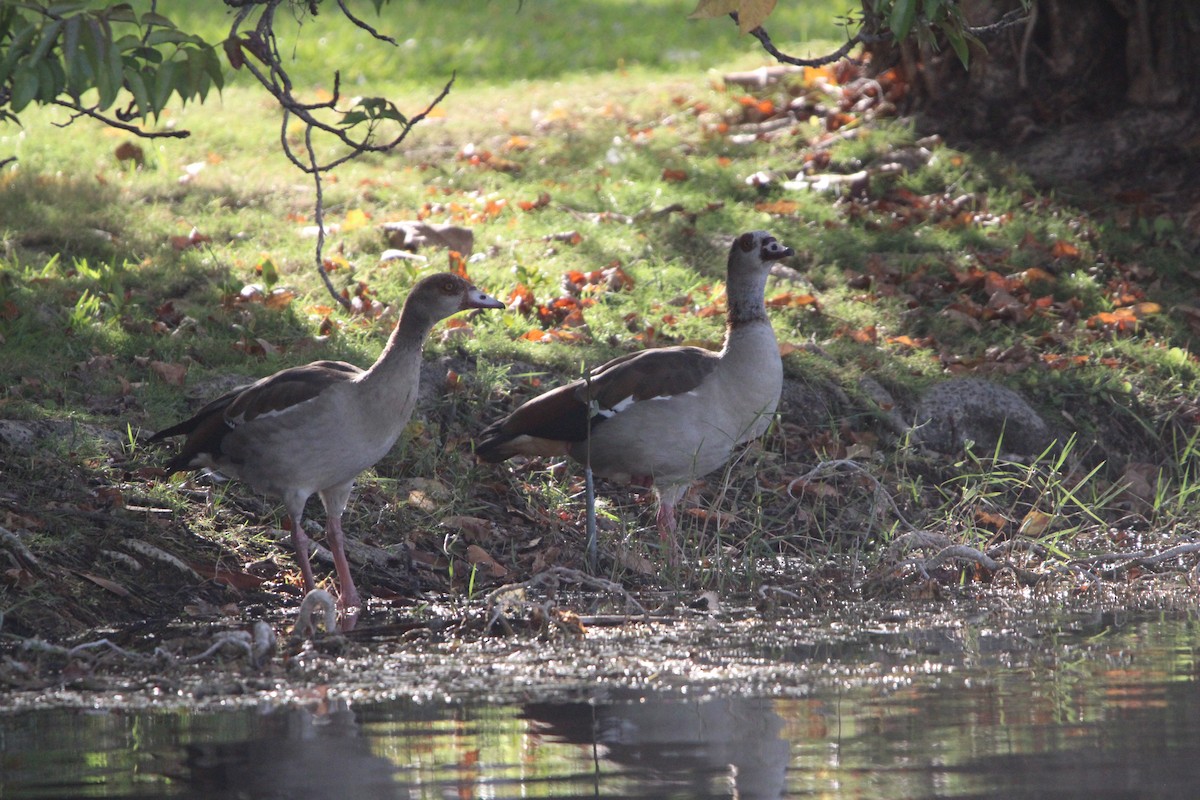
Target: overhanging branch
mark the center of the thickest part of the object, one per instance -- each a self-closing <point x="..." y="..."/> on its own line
<point x="258" y="52"/>
<point x="1009" y="20"/>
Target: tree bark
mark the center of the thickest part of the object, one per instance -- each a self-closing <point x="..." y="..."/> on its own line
<point x="1083" y="89"/>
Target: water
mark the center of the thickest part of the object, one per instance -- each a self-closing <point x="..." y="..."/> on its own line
<point x="1098" y="708"/>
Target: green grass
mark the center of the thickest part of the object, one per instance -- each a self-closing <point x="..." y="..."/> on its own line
<point x="96" y="296"/>
<point x="498" y="42"/>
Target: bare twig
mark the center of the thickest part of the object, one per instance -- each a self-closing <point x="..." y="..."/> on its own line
<point x="264" y="62"/>
<point x="80" y="111"/>
<point x="363" y="24"/>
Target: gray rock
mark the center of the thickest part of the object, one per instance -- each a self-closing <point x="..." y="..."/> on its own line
<point x="971" y="409"/>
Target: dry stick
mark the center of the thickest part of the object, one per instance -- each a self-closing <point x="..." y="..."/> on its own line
<point x="319" y="216"/>
<point x="1140" y="558"/>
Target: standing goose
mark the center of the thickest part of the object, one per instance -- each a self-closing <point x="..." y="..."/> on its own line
<point x="667" y="416"/>
<point x="312" y="429"/>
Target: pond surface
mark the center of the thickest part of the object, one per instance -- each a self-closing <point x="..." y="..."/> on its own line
<point x="1096" y="705"/>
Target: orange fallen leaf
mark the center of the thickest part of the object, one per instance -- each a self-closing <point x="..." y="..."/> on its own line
<point x="778" y="207"/>
<point x="792" y="300"/>
<point x="478" y="556"/>
<point x="542" y="201"/>
<point x="989" y="519"/>
<point x="1063" y="249"/>
<point x="458" y="264"/>
<point x="787" y="348"/>
<point x="867" y="335"/>
<point x="1035" y="523"/>
<point x="521" y="299"/>
<point x="173" y="374"/>
<point x="1035" y="275"/>
<point x="194" y="239"/>
<point x="516" y="142"/>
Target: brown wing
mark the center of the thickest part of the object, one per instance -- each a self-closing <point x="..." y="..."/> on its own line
<point x="663" y="372"/>
<point x="207" y="428"/>
<point x="287" y="388"/>
<point x="546" y="423"/>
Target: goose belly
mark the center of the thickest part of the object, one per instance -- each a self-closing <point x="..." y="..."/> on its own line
<point x="671" y="440"/>
<point x="320" y="449"/>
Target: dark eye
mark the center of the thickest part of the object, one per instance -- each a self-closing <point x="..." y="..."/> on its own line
<point x="449" y="288"/>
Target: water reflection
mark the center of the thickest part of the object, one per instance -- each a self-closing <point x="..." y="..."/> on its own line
<point x="1099" y="711"/>
<point x="295" y="752"/>
<point x="714" y="746"/>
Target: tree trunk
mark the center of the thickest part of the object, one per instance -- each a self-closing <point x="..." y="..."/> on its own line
<point x="1085" y="89"/>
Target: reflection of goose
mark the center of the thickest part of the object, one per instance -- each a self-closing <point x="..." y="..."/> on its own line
<point x="295" y="754"/>
<point x="687" y="744"/>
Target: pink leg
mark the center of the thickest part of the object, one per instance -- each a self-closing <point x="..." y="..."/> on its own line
<point x="300" y="545"/>
<point x="335" y="498"/>
<point x="337" y="545"/>
<point x="668" y="496"/>
<point x="665" y="519"/>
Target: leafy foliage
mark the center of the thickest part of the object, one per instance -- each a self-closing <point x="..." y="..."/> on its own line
<point x="70" y="54"/>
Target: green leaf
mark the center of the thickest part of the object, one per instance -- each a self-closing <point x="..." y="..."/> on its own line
<point x="212" y="64"/>
<point x="52" y="79"/>
<point x="48" y="40"/>
<point x="270" y="273"/>
<point x="106" y="60"/>
<point x="136" y="85"/>
<point x="121" y="12"/>
<point x="164" y="84"/>
<point x="146" y="55"/>
<point x="904" y="12"/>
<point x="959" y="42"/>
<point x="161" y="36"/>
<point x="25" y="86"/>
<point x="72" y="27"/>
<point x="17" y="50"/>
<point x="157" y="20"/>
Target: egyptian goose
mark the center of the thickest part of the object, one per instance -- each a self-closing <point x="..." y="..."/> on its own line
<point x="667" y="416"/>
<point x="314" y="428"/>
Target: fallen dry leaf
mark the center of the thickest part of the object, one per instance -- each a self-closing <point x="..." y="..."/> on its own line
<point x="173" y="374"/>
<point x="471" y="527"/>
<point x="1035" y="523"/>
<point x="105" y="583"/>
<point x="481" y="558"/>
